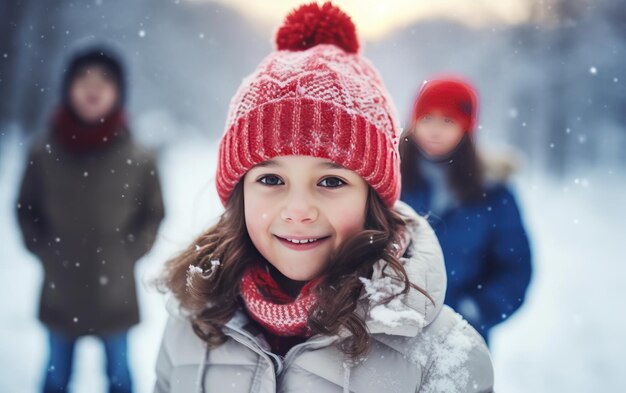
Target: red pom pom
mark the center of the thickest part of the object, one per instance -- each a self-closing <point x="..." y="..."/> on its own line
<point x="310" y="25"/>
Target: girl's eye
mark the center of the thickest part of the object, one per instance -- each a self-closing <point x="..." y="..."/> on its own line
<point x="271" y="180"/>
<point x="427" y="118"/>
<point x="332" y="182"/>
<point x="448" y="120"/>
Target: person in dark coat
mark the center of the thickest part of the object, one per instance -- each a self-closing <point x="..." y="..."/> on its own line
<point x="475" y="216"/>
<point x="89" y="207"/>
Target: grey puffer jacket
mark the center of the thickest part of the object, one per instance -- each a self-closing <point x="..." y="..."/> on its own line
<point x="416" y="347"/>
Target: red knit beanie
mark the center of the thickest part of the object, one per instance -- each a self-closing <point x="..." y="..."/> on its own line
<point x="454" y="97"/>
<point x="313" y="96"/>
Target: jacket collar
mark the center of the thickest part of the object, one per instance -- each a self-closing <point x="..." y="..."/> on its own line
<point x="407" y="315"/>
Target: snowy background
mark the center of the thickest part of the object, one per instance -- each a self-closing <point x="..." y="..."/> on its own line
<point x="552" y="84"/>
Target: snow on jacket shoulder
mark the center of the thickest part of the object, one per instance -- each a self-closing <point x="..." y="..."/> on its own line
<point x="416" y="346"/>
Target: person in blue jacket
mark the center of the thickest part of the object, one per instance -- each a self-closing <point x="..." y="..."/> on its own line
<point x="475" y="217"/>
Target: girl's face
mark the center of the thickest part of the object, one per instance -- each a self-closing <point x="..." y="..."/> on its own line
<point x="436" y="134"/>
<point x="299" y="209"/>
<point x="93" y="94"/>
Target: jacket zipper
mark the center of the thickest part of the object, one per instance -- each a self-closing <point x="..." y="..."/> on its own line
<point x="297" y="349"/>
<point x="256" y="348"/>
<point x="282" y="363"/>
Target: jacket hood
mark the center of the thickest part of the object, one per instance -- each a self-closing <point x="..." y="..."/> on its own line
<point x="422" y="258"/>
<point x="500" y="165"/>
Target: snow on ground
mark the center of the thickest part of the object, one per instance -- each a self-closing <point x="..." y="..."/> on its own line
<point x="567" y="337"/>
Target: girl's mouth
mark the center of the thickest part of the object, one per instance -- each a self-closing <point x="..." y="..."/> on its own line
<point x="301" y="244"/>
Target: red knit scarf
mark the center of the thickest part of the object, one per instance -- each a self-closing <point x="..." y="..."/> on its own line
<point x="271" y="307"/>
<point x="79" y="136"/>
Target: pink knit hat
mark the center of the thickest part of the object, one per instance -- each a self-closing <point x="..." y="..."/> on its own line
<point x="314" y="96"/>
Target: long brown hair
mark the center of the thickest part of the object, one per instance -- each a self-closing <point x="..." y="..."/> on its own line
<point x="211" y="298"/>
<point x="465" y="175"/>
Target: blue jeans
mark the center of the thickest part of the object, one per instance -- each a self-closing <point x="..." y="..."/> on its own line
<point x="61" y="361"/>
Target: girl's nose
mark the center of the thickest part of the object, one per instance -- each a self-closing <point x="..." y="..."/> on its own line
<point x="299" y="209"/>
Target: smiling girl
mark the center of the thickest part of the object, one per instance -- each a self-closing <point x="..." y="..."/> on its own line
<point x="315" y="278"/>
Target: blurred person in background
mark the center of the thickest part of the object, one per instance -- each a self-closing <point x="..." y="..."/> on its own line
<point x="89" y="207"/>
<point x="468" y="203"/>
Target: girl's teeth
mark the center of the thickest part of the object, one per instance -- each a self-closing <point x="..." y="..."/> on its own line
<point x="301" y="241"/>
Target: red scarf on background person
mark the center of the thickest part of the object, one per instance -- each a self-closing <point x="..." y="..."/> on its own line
<point x="276" y="311"/>
<point x="79" y="136"/>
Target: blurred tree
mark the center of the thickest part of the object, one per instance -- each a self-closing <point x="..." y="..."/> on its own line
<point x="12" y="15"/>
<point x="614" y="12"/>
<point x="41" y="44"/>
<point x="526" y="124"/>
<point x="566" y="13"/>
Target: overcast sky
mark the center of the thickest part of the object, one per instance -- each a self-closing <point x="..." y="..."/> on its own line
<point x="375" y="18"/>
